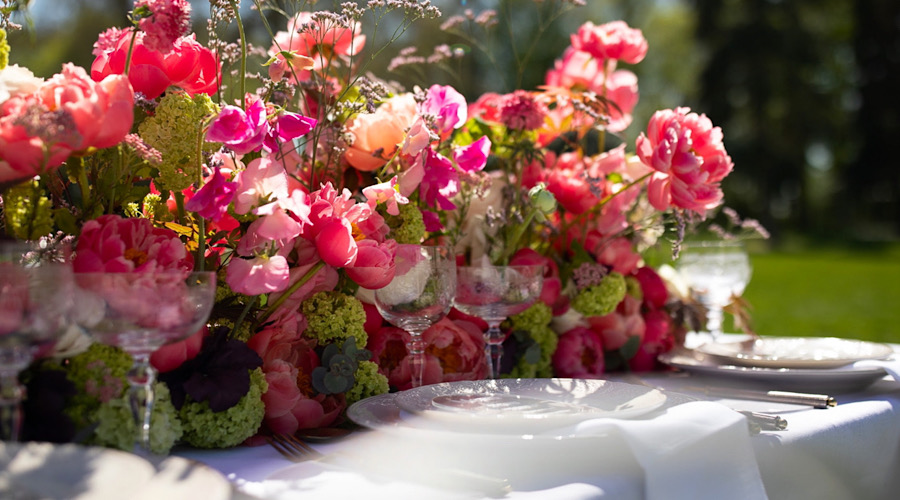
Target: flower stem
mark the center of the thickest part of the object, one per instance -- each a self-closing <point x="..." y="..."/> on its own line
<point x="235" y="6"/>
<point x="290" y="291"/>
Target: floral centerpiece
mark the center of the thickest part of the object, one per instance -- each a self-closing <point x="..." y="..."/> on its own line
<point x="298" y="190"/>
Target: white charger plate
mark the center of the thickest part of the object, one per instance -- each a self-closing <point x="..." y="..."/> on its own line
<point x="795" y="352"/>
<point x="527" y="405"/>
<point x="46" y="470"/>
<point x="826" y="380"/>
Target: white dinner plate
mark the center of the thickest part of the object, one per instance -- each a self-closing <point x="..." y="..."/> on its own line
<point x="45" y="470"/>
<point x="528" y="405"/>
<point x="795" y="352"/>
<point x="826" y="380"/>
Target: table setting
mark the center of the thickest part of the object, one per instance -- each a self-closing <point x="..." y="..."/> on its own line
<point x="257" y="271"/>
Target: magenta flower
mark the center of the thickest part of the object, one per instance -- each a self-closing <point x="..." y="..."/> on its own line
<point x="579" y="354"/>
<point x="211" y="201"/>
<point x="473" y="158"/>
<point x="440" y="182"/>
<point x="689" y="158"/>
<point x="163" y="22"/>
<point x="447" y="107"/>
<point x="615" y="40"/>
<point x="288" y="126"/>
<point x="242" y="131"/>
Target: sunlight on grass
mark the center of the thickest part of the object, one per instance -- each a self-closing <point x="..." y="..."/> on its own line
<point x="827" y="293"/>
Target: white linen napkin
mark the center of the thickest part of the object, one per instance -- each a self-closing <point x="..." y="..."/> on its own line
<point x="891" y="366"/>
<point x="694" y="450"/>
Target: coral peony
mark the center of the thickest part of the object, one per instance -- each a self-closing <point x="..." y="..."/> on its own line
<point x="114" y="244"/>
<point x="579" y="354"/>
<point x="690" y="160"/>
<point x="614" y="40"/>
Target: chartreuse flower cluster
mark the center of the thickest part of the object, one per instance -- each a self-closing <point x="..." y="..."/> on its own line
<point x="535" y="342"/>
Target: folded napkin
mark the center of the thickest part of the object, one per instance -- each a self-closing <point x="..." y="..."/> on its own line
<point x="891" y="366"/>
<point x="693" y="450"/>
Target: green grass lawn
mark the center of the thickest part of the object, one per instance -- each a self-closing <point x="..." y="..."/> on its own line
<point x="851" y="293"/>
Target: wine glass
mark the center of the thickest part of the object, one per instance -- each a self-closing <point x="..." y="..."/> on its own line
<point x="35" y="297"/>
<point x="420" y="294"/>
<point x="716" y="271"/>
<point x="140" y="312"/>
<point x="494" y="293"/>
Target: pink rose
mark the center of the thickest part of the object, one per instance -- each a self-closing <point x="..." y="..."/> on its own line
<point x="689" y="158"/>
<point x="579" y="354"/>
<point x="114" y="244"/>
<point x="376" y="136"/>
<point x="615" y="40"/>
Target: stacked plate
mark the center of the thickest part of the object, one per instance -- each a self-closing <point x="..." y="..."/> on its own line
<point x="795" y="363"/>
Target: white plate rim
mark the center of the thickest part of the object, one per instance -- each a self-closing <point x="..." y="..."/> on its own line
<point x="733" y="353"/>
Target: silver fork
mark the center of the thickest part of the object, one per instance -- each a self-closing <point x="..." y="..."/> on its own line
<point x="292" y="448"/>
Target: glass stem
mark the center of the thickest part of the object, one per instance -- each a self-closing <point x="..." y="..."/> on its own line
<point x="141" y="378"/>
<point x="11" y="396"/>
<point x="493" y="348"/>
<point x="416" y="348"/>
<point x="714" y="318"/>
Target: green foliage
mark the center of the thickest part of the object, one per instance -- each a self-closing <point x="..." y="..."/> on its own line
<point x="535" y="340"/>
<point x="4" y="50"/>
<point x="339" y="367"/>
<point x="99" y="376"/>
<point x="27" y="212"/>
<point x="205" y="428"/>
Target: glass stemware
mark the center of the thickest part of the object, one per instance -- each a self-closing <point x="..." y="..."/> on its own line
<point x="140" y="312"/>
<point x="494" y="293"/>
<point x="420" y="294"/>
<point x="35" y="296"/>
<point x="716" y="271"/>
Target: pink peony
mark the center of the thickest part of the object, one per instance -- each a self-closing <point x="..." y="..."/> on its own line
<point x="189" y="65"/>
<point x="113" y="244"/>
<point x="690" y="160"/>
<point x="458" y="346"/>
<point x="579" y="354"/>
<point x="318" y="38"/>
<point x="653" y="287"/>
<point x="374" y="265"/>
<point x="487" y="107"/>
<point x="617" y="327"/>
<point x="615" y="40"/>
<point x="566" y="176"/>
<point x="388" y="347"/>
<point x="171" y="356"/>
<point x="258" y="275"/>
<point x="657" y="340"/>
<point x="39" y="145"/>
<point x="619" y="255"/>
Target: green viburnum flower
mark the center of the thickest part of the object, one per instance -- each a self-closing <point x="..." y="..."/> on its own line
<point x="536" y="341"/>
<point x="633" y="288"/>
<point x="99" y="377"/>
<point x="28" y="212"/>
<point x="368" y="383"/>
<point x="205" y="428"/>
<point x="174" y="130"/>
<point x="602" y="298"/>
<point x="4" y="49"/>
<point x="116" y="427"/>
<point x="408" y="227"/>
<point x="333" y="317"/>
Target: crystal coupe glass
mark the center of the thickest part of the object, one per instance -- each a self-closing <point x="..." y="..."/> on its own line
<point x="140" y="312"/>
<point x="716" y="271"/>
<point x="420" y="294"/>
<point x="494" y="293"/>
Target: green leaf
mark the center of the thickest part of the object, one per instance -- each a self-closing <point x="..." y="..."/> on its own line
<point x="630" y="348"/>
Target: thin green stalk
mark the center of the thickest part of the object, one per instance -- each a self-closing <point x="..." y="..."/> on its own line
<point x="235" y="5"/>
<point x="290" y="291"/>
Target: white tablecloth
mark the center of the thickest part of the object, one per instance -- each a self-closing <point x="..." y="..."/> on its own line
<point x="851" y="451"/>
